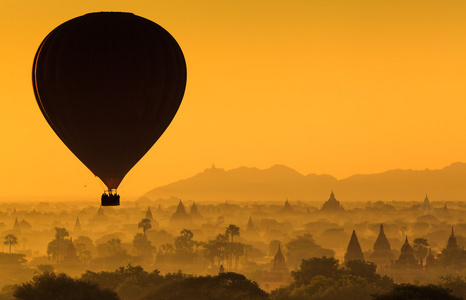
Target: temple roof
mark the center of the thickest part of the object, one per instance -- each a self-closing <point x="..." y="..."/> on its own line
<point x="194" y="212"/>
<point x="354" y="251"/>
<point x="332" y="203"/>
<point x="77" y="225"/>
<point x="250" y="225"/>
<point x="382" y="242"/>
<point x="279" y="263"/>
<point x="406" y="248"/>
<point x="180" y="209"/>
<point x="452" y="242"/>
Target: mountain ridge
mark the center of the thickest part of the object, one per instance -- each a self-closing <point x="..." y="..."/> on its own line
<point x="279" y="182"/>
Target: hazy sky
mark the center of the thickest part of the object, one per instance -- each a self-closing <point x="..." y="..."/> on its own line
<point x="323" y="86"/>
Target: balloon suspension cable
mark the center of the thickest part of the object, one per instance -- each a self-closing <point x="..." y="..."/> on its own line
<point x="111" y="192"/>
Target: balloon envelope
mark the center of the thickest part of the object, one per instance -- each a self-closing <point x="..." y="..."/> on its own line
<point x="109" y="84"/>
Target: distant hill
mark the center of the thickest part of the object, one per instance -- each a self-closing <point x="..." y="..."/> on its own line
<point x="280" y="182"/>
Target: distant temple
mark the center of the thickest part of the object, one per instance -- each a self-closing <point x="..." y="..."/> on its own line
<point x="452" y="242"/>
<point x="407" y="258"/>
<point x="70" y="254"/>
<point x="77" y="226"/>
<point x="279" y="263"/>
<point x="194" y="212"/>
<point x="149" y="214"/>
<point x="382" y="254"/>
<point x="100" y="216"/>
<point x="354" y="251"/>
<point x="443" y="212"/>
<point x="430" y="260"/>
<point x="180" y="217"/>
<point x="16" y="226"/>
<point x="279" y="274"/>
<point x="286" y="207"/>
<point x="426" y="205"/>
<point x="453" y="256"/>
<point x="250" y="227"/>
<point x="332" y="204"/>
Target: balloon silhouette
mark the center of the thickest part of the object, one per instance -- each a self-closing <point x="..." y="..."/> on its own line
<point x="109" y="84"/>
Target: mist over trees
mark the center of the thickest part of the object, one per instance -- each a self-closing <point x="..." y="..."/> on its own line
<point x="290" y="249"/>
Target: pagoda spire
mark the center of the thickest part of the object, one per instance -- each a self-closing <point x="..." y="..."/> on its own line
<point x="452" y="242"/>
<point x="149" y="214"/>
<point x="77" y="225"/>
<point x="354" y="251"/>
<point x="279" y="263"/>
<point x="382" y="254"/>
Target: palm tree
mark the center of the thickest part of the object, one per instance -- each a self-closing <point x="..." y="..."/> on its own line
<point x="145" y="225"/>
<point x="231" y="231"/>
<point x="60" y="234"/>
<point x="10" y="239"/>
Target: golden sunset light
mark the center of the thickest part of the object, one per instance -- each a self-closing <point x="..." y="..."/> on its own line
<point x="325" y="87"/>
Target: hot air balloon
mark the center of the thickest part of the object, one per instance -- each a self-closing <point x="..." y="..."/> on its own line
<point x="109" y="84"/>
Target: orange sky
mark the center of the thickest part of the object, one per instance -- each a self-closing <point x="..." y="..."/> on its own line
<point x="322" y="86"/>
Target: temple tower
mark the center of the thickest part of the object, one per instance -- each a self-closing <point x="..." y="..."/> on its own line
<point x="71" y="252"/>
<point x="452" y="242"/>
<point x="77" y="225"/>
<point x="279" y="263"/>
<point x="382" y="254"/>
<point x="332" y="204"/>
<point x="426" y="205"/>
<point x="250" y="227"/>
<point x="354" y="251"/>
<point x="287" y="206"/>
<point x="149" y="214"/>
<point x="180" y="217"/>
<point x="430" y="259"/>
<point x="407" y="258"/>
<point x="194" y="212"/>
<point x="16" y="227"/>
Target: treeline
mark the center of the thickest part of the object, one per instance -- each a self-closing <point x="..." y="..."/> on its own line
<point x="315" y="279"/>
<point x="133" y="283"/>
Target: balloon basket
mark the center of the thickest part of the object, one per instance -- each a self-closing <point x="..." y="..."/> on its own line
<point x="110" y="200"/>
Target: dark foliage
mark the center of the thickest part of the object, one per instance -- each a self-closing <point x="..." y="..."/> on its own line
<point x="417" y="292"/>
<point x="61" y="287"/>
<point x="325" y="266"/>
<point x="323" y="279"/>
<point x="226" y="286"/>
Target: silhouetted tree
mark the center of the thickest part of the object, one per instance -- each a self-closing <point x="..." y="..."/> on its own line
<point x="10" y="239"/>
<point x="226" y="286"/>
<point x="420" y="247"/>
<point x="184" y="242"/>
<point x="231" y="231"/>
<point x="110" y="248"/>
<point x="83" y="253"/>
<point x="142" y="245"/>
<point x="60" y="234"/>
<point x="212" y="250"/>
<point x="304" y="247"/>
<point x="325" y="266"/>
<point x="417" y="292"/>
<point x="321" y="278"/>
<point x="457" y="284"/>
<point x="237" y="250"/>
<point x="139" y="280"/>
<point x="145" y="224"/>
<point x="51" y="286"/>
